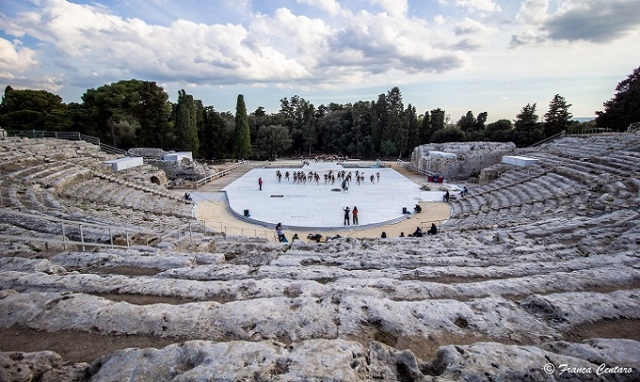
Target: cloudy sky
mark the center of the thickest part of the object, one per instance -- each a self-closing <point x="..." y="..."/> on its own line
<point x="459" y="55"/>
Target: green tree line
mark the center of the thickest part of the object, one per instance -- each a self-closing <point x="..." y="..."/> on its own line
<point x="134" y="113"/>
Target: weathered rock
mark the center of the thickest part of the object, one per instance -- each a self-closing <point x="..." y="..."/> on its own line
<point x="45" y="366"/>
<point x="493" y="361"/>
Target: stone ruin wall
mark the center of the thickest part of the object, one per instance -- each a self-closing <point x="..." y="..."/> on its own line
<point x="184" y="170"/>
<point x="146" y="174"/>
<point x="470" y="157"/>
<point x="148" y="152"/>
<point x="491" y="173"/>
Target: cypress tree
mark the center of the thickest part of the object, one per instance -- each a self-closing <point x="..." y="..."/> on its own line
<point x="186" y="123"/>
<point x="243" y="134"/>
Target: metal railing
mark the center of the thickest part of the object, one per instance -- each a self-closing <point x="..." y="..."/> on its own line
<point x="252" y="232"/>
<point x="65" y="224"/>
<point x="184" y="230"/>
<point x="410" y="166"/>
<point x="590" y="131"/>
<point x="64" y="243"/>
<point x="560" y="135"/>
<point x="70" y="136"/>
<point x="427" y="224"/>
<point x="217" y="175"/>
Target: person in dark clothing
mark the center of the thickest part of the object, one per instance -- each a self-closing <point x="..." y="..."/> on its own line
<point x="354" y="213"/>
<point x="346" y="215"/>
<point x="260" y="183"/>
<point x="384" y="234"/>
<point x="417" y="208"/>
<point x="445" y="197"/>
<point x="418" y="232"/>
<point x="433" y="230"/>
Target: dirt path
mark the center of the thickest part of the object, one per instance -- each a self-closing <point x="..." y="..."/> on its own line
<point x="217" y="216"/>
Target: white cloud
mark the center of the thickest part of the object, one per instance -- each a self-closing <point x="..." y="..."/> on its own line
<point x="89" y="42"/>
<point x="396" y="8"/>
<point x="380" y="43"/>
<point x="439" y="20"/>
<point x="478" y="5"/>
<point x="191" y="51"/>
<point x="470" y="26"/>
<point x="533" y="12"/>
<point x="14" y="57"/>
<point x="330" y="6"/>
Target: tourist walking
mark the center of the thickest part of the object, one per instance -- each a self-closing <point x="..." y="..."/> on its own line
<point x="346" y="215"/>
<point x="354" y="213"/>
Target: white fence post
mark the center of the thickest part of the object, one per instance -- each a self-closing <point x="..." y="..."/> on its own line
<point x="64" y="246"/>
<point x="82" y="237"/>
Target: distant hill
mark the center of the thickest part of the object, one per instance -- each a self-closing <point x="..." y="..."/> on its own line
<point x="583" y="119"/>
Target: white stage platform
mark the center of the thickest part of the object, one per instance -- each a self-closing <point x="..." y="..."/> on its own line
<point x="316" y="206"/>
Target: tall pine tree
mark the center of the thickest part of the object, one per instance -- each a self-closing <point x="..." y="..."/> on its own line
<point x="437" y="121"/>
<point x="242" y="133"/>
<point x="527" y="130"/>
<point x="396" y="131"/>
<point x="558" y="117"/>
<point x="413" y="129"/>
<point x="425" y="129"/>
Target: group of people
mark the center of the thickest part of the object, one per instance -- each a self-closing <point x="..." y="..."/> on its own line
<point x="317" y="237"/>
<point x="419" y="233"/>
<point x="350" y="213"/>
<point x="447" y="196"/>
<point x="329" y="178"/>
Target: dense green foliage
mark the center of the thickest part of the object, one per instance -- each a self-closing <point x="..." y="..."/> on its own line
<point x="273" y="140"/>
<point x="624" y="108"/>
<point x="134" y="113"/>
<point x="128" y="113"/>
<point x="32" y="110"/>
